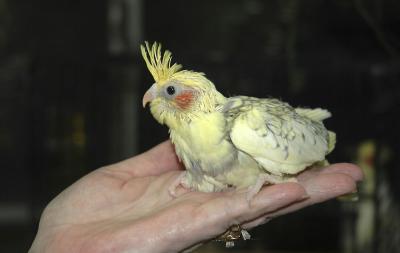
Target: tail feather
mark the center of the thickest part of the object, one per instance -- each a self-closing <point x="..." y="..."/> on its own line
<point x="317" y="114"/>
<point x="331" y="141"/>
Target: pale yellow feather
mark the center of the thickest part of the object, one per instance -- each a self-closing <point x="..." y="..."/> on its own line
<point x="235" y="141"/>
<point x="159" y="65"/>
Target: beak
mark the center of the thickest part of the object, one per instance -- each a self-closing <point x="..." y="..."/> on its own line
<point x="149" y="95"/>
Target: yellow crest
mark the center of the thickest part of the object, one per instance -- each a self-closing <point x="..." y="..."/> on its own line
<point x="159" y="65"/>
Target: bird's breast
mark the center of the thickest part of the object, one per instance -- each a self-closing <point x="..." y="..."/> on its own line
<point x="203" y="145"/>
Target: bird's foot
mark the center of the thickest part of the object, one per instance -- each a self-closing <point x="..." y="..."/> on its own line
<point x="215" y="185"/>
<point x="178" y="181"/>
<point x="266" y="178"/>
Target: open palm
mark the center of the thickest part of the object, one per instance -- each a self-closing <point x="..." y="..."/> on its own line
<point x="126" y="207"/>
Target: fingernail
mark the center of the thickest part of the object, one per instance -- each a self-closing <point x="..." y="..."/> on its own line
<point x="350" y="197"/>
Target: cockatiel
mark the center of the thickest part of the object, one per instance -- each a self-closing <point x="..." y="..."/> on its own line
<point x="231" y="141"/>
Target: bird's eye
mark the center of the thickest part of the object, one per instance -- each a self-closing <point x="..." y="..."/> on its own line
<point x="171" y="90"/>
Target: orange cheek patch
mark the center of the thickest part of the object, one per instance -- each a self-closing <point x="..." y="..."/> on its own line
<point x="184" y="99"/>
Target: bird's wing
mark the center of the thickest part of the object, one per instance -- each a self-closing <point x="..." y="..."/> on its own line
<point x="279" y="138"/>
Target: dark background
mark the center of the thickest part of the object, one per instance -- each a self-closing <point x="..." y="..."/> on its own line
<point x="71" y="82"/>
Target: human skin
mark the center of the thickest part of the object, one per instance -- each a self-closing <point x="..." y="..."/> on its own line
<point x="126" y="207"/>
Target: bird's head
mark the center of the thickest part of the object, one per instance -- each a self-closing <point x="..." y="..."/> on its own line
<point x="177" y="95"/>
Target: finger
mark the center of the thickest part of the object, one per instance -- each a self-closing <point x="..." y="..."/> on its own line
<point x="343" y="168"/>
<point x="322" y="188"/>
<point x="159" y="159"/>
<point x="349" y="169"/>
<point x="273" y="198"/>
<point x="326" y="186"/>
<point x="321" y="184"/>
<point x="235" y="209"/>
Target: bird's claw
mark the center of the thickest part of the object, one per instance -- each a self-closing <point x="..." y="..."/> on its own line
<point x="266" y="178"/>
<point x="175" y="184"/>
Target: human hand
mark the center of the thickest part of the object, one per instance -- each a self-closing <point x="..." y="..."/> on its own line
<point x="126" y="207"/>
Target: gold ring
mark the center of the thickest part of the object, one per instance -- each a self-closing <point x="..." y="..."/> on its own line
<point x="234" y="233"/>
